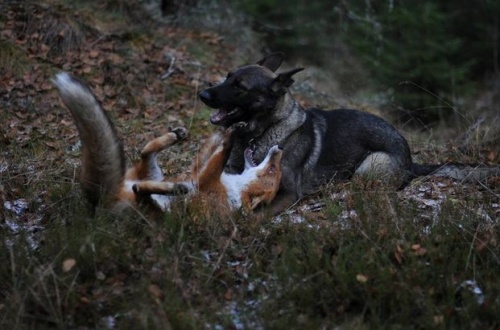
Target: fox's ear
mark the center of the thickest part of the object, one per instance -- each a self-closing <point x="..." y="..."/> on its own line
<point x="256" y="200"/>
<point x="284" y="79"/>
<point x="272" y="61"/>
<point x="272" y="169"/>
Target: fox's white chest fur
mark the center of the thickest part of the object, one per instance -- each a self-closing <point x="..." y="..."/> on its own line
<point x="235" y="184"/>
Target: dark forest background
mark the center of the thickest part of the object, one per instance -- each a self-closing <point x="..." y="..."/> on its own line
<point x="428" y="57"/>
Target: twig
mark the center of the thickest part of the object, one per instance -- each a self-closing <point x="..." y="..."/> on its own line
<point x="229" y="240"/>
<point x="171" y="67"/>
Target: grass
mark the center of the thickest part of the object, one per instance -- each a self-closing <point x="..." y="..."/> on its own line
<point x="13" y="57"/>
<point x="380" y="269"/>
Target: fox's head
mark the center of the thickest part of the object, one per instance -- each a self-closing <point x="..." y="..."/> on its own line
<point x="265" y="179"/>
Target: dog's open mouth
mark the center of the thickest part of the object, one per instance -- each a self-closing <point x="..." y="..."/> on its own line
<point x="249" y="160"/>
<point x="223" y="114"/>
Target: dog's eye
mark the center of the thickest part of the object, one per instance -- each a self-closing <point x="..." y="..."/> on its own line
<point x="241" y="85"/>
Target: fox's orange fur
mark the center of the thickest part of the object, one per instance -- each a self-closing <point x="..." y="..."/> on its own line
<point x="104" y="179"/>
<point x="147" y="169"/>
<point x="257" y="185"/>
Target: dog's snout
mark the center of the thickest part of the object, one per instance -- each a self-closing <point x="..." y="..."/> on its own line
<point x="205" y="96"/>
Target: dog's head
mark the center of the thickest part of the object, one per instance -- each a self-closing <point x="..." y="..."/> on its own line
<point x="249" y="91"/>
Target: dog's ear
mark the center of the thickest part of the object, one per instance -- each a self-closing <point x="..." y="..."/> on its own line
<point x="272" y="61"/>
<point x="284" y="79"/>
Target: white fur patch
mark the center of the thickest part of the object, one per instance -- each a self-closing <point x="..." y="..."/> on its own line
<point x="68" y="85"/>
<point x="316" y="152"/>
<point x="236" y="183"/>
<point x="378" y="165"/>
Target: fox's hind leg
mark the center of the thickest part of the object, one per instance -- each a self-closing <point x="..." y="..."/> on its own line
<point x="147" y="168"/>
<point x="146" y="188"/>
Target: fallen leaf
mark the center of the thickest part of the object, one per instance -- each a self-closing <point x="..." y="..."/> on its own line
<point x="415" y="247"/>
<point x="85" y="300"/>
<point x="100" y="276"/>
<point x="438" y="319"/>
<point x="491" y="156"/>
<point x="229" y="294"/>
<point x="361" y="278"/>
<point x="52" y="144"/>
<point x="155" y="291"/>
<point x="399" y="254"/>
<point x="419" y="250"/>
<point x="93" y="53"/>
<point x="68" y="264"/>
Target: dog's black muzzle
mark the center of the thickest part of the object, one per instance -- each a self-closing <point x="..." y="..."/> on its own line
<point x="207" y="98"/>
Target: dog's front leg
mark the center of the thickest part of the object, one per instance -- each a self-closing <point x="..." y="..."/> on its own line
<point x="283" y="201"/>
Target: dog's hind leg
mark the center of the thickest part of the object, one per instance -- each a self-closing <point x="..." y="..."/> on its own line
<point x="382" y="166"/>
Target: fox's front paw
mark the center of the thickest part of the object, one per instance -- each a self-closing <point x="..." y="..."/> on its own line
<point x="180" y="132"/>
<point x="240" y="125"/>
<point x="180" y="189"/>
<point x="135" y="189"/>
<point x="237" y="127"/>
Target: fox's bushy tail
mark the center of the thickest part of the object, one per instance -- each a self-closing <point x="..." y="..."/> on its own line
<point x="103" y="160"/>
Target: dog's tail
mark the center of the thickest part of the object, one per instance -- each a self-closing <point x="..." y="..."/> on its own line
<point x="459" y="172"/>
<point x="103" y="160"/>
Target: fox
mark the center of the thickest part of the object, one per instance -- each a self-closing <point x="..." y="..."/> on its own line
<point x="256" y="186"/>
<point x="106" y="181"/>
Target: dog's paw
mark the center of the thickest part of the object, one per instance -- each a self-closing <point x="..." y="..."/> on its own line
<point x="180" y="132"/>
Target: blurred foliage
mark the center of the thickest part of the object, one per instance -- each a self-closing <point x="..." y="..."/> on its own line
<point x="293" y="28"/>
<point x="430" y="53"/>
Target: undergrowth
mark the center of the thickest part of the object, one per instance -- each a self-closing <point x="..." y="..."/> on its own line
<point x="382" y="268"/>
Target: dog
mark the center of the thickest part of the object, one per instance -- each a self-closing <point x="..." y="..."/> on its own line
<point x="318" y="146"/>
<point x="105" y="180"/>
